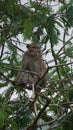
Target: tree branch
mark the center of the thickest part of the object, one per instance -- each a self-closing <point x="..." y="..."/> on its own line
<point x="34" y="124"/>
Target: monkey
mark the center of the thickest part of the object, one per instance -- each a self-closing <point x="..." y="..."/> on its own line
<point x="33" y="68"/>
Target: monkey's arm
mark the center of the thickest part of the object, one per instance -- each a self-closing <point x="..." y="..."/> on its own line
<point x="20" y="74"/>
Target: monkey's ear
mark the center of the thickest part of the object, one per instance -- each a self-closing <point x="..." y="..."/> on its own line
<point x="27" y="45"/>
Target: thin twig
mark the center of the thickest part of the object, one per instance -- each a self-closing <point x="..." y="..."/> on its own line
<point x="2" y="51"/>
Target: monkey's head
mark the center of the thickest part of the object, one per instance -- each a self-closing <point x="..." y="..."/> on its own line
<point x="34" y="49"/>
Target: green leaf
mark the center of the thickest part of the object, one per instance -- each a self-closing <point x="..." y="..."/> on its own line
<point x="51" y="29"/>
<point x="46" y="117"/>
<point x="28" y="28"/>
<point x="14" y="125"/>
<point x="12" y="7"/>
<point x="13" y="51"/>
<point x="23" y="117"/>
<point x="3" y="84"/>
<point x="11" y="47"/>
<point x="67" y="122"/>
<point x="69" y="14"/>
<point x="3" y="116"/>
<point x="69" y="51"/>
<point x="41" y="7"/>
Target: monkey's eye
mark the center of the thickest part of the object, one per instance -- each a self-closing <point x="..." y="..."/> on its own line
<point x="33" y="47"/>
<point x="36" y="47"/>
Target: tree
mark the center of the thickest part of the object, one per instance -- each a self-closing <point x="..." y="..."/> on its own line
<point x="44" y="22"/>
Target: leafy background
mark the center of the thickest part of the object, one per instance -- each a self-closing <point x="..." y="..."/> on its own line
<point x="49" y="23"/>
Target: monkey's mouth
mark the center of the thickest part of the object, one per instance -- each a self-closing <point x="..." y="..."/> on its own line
<point x="34" y="53"/>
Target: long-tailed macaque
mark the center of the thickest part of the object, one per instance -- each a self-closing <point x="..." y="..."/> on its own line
<point x="33" y="68"/>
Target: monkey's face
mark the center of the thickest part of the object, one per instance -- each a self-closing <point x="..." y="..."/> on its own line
<point x="34" y="50"/>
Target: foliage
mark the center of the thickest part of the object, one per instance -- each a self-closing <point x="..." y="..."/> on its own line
<point x="39" y="22"/>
